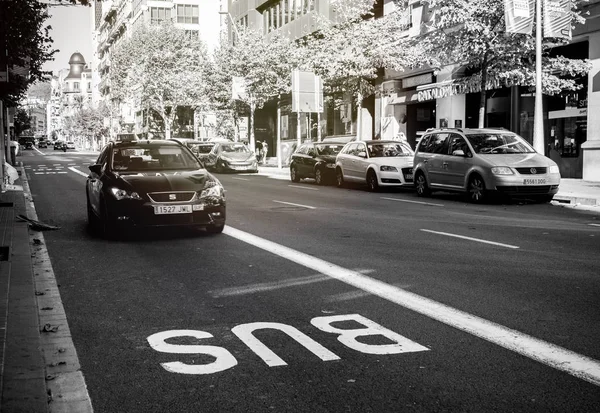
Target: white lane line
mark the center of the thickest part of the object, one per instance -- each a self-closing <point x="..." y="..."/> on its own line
<point x="471" y="239"/>
<point x="303" y="187"/>
<point x="554" y="356"/>
<point x="57" y="164"/>
<point x="77" y="171"/>
<point x="595" y="225"/>
<point x="38" y="151"/>
<point x="291" y="203"/>
<point x="241" y="179"/>
<point x="412" y="202"/>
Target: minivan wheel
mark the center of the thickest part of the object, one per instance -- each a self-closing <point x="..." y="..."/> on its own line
<point x="339" y="177"/>
<point x="421" y="185"/>
<point x="476" y="189"/>
<point x="294" y="174"/>
<point x="372" y="181"/>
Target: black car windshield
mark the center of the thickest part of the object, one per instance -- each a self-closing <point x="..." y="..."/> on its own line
<point x="499" y="143"/>
<point x="153" y="157"/>
<point x="389" y="149"/>
<point x="328" y="149"/>
<point x="234" y="147"/>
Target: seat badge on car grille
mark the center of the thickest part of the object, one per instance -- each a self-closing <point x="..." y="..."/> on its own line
<point x="533" y="171"/>
<point x="173" y="197"/>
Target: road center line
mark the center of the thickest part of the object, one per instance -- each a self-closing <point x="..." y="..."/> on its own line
<point x="472" y="239"/>
<point x="291" y="203"/>
<point x="413" y="202"/>
<point x="77" y="171"/>
<point x="303" y="187"/>
<point x="595" y="225"/>
<point x="554" y="356"/>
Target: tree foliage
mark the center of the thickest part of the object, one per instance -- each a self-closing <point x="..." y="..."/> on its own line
<point x="264" y="63"/>
<point x="160" y="68"/>
<point x="473" y="33"/>
<point x="22" y="121"/>
<point x="28" y="46"/>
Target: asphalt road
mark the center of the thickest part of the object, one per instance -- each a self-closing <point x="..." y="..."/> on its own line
<point x="319" y="299"/>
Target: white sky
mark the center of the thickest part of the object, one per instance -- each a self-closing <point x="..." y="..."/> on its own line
<point x="71" y="32"/>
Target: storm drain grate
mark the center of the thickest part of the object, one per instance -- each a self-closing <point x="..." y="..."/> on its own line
<point x="4" y="251"/>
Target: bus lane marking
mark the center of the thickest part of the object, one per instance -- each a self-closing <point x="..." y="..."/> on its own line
<point x="471" y="239"/>
<point x="77" y="171"/>
<point x="554" y="356"/>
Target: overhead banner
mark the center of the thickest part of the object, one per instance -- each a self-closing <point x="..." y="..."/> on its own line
<point x="238" y="88"/>
<point x="518" y="15"/>
<point x="557" y="18"/>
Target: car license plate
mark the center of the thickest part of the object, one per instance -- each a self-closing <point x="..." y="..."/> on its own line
<point x="408" y="177"/>
<point x="535" y="181"/>
<point x="172" y="209"/>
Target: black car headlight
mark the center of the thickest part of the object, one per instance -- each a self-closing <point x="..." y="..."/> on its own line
<point x="120" y="194"/>
<point x="212" y="189"/>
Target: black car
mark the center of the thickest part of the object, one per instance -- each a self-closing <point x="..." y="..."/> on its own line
<point x="152" y="183"/>
<point x="227" y="156"/>
<point x="315" y="160"/>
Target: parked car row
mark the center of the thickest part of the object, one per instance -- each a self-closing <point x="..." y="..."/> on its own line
<point x="223" y="155"/>
<point x="477" y="162"/>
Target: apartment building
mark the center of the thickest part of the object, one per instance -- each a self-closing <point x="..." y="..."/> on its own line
<point x="114" y="20"/>
<point x="71" y="90"/>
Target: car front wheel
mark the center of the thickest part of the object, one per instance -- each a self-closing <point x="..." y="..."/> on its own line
<point x="319" y="177"/>
<point x="294" y="174"/>
<point x="372" y="182"/>
<point x="476" y="189"/>
<point x="339" y="178"/>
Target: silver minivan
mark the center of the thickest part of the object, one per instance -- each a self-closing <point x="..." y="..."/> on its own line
<point x="477" y="161"/>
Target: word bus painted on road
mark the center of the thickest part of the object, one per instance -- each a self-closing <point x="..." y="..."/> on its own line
<point x="224" y="360"/>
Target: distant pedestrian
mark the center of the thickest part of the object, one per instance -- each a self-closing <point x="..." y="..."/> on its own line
<point x="265" y="150"/>
<point x="258" y="150"/>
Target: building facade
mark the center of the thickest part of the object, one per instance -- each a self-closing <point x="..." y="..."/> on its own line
<point x="71" y="90"/>
<point x="114" y="20"/>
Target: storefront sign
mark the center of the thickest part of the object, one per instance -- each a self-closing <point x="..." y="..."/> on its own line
<point x="444" y="90"/>
<point x="567" y="113"/>
<point x="417" y="80"/>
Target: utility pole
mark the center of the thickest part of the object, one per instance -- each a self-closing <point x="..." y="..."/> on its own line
<point x="538" y="118"/>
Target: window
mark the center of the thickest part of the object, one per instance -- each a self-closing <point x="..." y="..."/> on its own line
<point x="187" y="13"/>
<point x="75" y="85"/>
<point x="159" y="14"/>
<point x="438" y="143"/>
<point x="458" y="143"/>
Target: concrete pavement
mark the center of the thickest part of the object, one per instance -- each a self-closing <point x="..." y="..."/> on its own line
<point x="27" y="379"/>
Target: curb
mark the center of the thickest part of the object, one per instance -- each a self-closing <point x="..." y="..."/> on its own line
<point x="575" y="199"/>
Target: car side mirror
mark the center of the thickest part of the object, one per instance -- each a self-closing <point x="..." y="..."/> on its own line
<point x="362" y="154"/>
<point x="96" y="169"/>
<point x="458" y="152"/>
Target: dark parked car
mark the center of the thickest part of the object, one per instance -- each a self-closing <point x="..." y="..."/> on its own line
<point x="315" y="160"/>
<point x="58" y="145"/>
<point x="231" y="157"/>
<point x="42" y="143"/>
<point x="152" y="183"/>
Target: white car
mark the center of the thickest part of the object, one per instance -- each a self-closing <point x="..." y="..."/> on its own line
<point x="70" y="145"/>
<point x="377" y="163"/>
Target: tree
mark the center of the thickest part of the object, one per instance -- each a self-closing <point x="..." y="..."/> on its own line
<point x="28" y="46"/>
<point x="473" y="33"/>
<point x="351" y="47"/>
<point x="161" y="68"/>
<point x="22" y="121"/>
<point x="88" y="123"/>
<point x="264" y="62"/>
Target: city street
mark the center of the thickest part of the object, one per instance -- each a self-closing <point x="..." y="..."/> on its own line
<point x="320" y="299"/>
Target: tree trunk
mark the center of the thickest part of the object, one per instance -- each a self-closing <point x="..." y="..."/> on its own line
<point x="483" y="93"/>
<point x="359" y="116"/>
